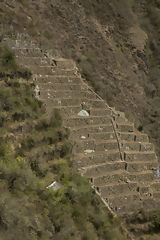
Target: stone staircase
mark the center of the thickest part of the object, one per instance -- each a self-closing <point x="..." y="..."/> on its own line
<point x="119" y="161"/>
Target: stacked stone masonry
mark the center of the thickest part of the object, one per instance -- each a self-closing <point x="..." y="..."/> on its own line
<point x="118" y="160"/>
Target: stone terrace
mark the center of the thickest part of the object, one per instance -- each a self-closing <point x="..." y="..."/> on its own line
<point x="119" y="161"/>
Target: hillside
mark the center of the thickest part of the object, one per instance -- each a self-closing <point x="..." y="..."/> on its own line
<point x="34" y="152"/>
<point x="116" y="47"/>
<point x="115" y="43"/>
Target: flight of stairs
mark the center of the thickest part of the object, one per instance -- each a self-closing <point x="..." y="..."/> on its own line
<point x="118" y="160"/>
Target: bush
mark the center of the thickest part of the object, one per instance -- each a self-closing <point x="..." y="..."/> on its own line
<point x="28" y="143"/>
<point x="7" y="61"/>
<point x="155" y="226"/>
<point x="56" y="119"/>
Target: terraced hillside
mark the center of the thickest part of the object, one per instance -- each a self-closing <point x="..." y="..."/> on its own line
<point x="118" y="160"/>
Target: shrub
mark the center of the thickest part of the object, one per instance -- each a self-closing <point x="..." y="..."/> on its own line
<point x="28" y="143"/>
<point x="19" y="116"/>
<point x="155" y="226"/>
<point x="7" y="61"/>
<point x="56" y="119"/>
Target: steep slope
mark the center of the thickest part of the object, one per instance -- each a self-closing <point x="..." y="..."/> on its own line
<point x="108" y="149"/>
<point x="107" y="41"/>
<point x="34" y="152"/>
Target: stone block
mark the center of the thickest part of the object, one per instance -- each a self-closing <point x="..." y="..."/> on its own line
<point x="117" y="189"/>
<point x="100" y="112"/>
<point x="141" y="166"/>
<point x="107" y="145"/>
<point x="60" y="87"/>
<point x="141" y="138"/>
<point x="49" y="93"/>
<point x="28" y="52"/>
<point x="57" y="79"/>
<point x="125" y="127"/>
<point x="85" y="121"/>
<point x="139" y="156"/>
<point x="61" y="102"/>
<point x="126" y="203"/>
<point x="81" y="146"/>
<point x="156" y="186"/>
<point x="126" y="136"/>
<point x="142" y="177"/>
<point x="104" y="136"/>
<point x="130" y="146"/>
<point x="97" y="158"/>
<point x="88" y="133"/>
<point x="109" y="178"/>
<point x="103" y="169"/>
<point x="93" y="103"/>
<point x="144" y="147"/>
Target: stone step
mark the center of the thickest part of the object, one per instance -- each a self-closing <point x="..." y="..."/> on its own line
<point x="104" y="135"/>
<point x="29" y="52"/>
<point x="83" y="95"/>
<point x="124" y="126"/>
<point x="133" y="136"/>
<point x="46" y="61"/>
<point x="124" y="176"/>
<point x="61" y="102"/>
<point x="117" y="189"/>
<point x="139" y="156"/>
<point x="77" y="121"/>
<point x="93" y="103"/>
<point x="119" y="116"/>
<point x="156" y="195"/>
<point x="135" y="166"/>
<point x="59" y="87"/>
<point x="57" y="79"/>
<point x="100" y="112"/>
<point x="33" y="61"/>
<point x="151" y="203"/>
<point x="67" y="111"/>
<point x="89" y="94"/>
<point x="70" y="110"/>
<point x="99" y="132"/>
<point x="142" y="177"/>
<point x="126" y="203"/>
<point x="50" y="70"/>
<point x="92" y="158"/>
<point x="136" y="146"/>
<point x="70" y="101"/>
<point x="156" y="186"/>
<point x="95" y="171"/>
<point x="83" y="145"/>
<point x="51" y="94"/>
<point x="19" y="43"/>
<point x="117" y="176"/>
<point x="107" y="145"/>
<point x="144" y="190"/>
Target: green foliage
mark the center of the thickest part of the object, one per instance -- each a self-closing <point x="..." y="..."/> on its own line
<point x="7" y="61"/>
<point x="32" y="155"/>
<point x="155" y="225"/>
<point x="8" y="65"/>
<point x="56" y="119"/>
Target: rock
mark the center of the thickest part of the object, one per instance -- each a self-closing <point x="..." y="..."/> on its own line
<point x="54" y="185"/>
<point x="83" y="113"/>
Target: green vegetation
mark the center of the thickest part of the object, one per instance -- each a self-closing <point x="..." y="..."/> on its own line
<point x="8" y="66"/>
<point x="149" y="222"/>
<point x="34" y="152"/>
